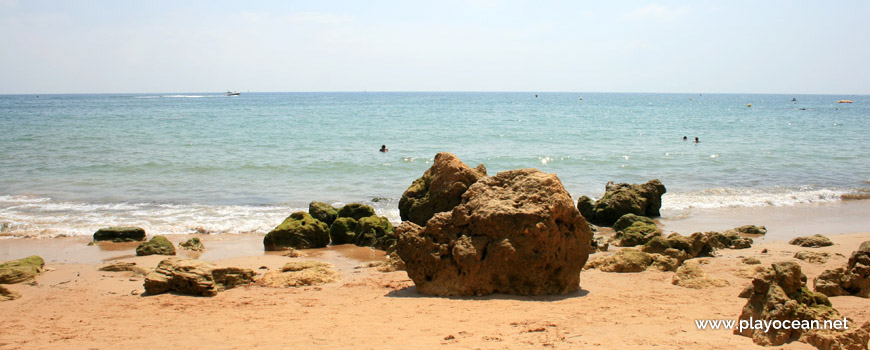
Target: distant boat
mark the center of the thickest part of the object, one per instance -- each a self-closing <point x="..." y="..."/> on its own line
<point x="844" y="101"/>
<point x="233" y="93"/>
<point x="793" y="99"/>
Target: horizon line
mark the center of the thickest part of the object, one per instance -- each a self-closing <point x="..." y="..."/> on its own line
<point x="434" y="91"/>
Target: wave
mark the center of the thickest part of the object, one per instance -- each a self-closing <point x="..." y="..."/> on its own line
<point x="40" y="217"/>
<point x="731" y="197"/>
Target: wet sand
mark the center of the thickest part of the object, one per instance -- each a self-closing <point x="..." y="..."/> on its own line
<point x="73" y="305"/>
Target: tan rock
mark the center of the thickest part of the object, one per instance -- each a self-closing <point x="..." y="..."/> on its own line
<point x="812" y="257"/>
<point x="439" y="189"/>
<point x="690" y="275"/>
<point x="517" y="232"/>
<point x="7" y="294"/>
<point x="20" y="270"/>
<point x="194" y="277"/>
<point x="301" y="273"/>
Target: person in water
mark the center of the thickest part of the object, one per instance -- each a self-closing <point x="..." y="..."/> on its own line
<point x="384" y="148"/>
<point x="685" y="138"/>
<point x="696" y="139"/>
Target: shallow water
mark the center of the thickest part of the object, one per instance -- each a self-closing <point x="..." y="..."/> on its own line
<point x="180" y="163"/>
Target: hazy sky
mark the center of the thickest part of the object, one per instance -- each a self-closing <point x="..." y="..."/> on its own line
<point x="479" y="45"/>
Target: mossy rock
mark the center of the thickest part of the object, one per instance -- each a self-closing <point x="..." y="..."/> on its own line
<point x="158" y="245"/>
<point x="620" y="199"/>
<point x="586" y="207"/>
<point x="323" y="212"/>
<point x="343" y="230"/>
<point x="194" y="244"/>
<point x="624" y="260"/>
<point x="299" y="231"/>
<point x="375" y="231"/>
<point x="638" y="233"/>
<point x="627" y="220"/>
<point x="356" y="211"/>
<point x="120" y="234"/>
<point x="20" y="270"/>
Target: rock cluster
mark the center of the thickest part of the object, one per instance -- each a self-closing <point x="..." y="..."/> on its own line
<point x="853" y="279"/>
<point x="194" y="277"/>
<point x="814" y="241"/>
<point x="20" y="270"/>
<point x="158" y="245"/>
<point x="517" y="232"/>
<point x="439" y="189"/>
<point x="780" y="293"/>
<point x="354" y="223"/>
<point x="301" y="273"/>
<point x="120" y="234"/>
<point x="620" y="199"/>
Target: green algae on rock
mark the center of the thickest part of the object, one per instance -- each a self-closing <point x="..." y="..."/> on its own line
<point x="323" y="212"/>
<point x="193" y="244"/>
<point x="299" y="231"/>
<point x="439" y="189"/>
<point x="158" y="245"/>
<point x="639" y="232"/>
<point x="120" y="234"/>
<point x="375" y="231"/>
<point x="20" y="270"/>
<point x="343" y="230"/>
<point x="620" y="199"/>
<point x="356" y="211"/>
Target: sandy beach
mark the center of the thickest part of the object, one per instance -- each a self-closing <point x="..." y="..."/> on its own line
<point x="73" y="305"/>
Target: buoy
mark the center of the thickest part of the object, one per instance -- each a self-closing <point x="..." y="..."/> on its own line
<point x="748" y="105"/>
<point x="844" y="101"/>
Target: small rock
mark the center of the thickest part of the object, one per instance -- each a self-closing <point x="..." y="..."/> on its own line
<point x="20" y="270"/>
<point x="323" y="212"/>
<point x="751" y="261"/>
<point x="123" y="267"/>
<point x="301" y="273"/>
<point x="812" y="257"/>
<point x="814" y="241"/>
<point x="7" y="294"/>
<point x="193" y="244"/>
<point x="120" y="234"/>
<point x="194" y="277"/>
<point x="158" y="245"/>
<point x="690" y="275"/>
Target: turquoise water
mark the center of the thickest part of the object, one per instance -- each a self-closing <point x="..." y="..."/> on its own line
<point x="178" y="162"/>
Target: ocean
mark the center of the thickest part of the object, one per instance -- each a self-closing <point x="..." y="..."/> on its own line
<point x="204" y="162"/>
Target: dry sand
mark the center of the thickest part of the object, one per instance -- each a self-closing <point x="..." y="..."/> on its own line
<point x="75" y="306"/>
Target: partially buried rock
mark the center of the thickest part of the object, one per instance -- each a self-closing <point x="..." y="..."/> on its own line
<point x="299" y="231"/>
<point x="729" y="239"/>
<point x="123" y="267"/>
<point x="690" y="275"/>
<point x="20" y="270"/>
<point x="439" y="189"/>
<point x="302" y="273"/>
<point x="780" y="293"/>
<point x="632" y="260"/>
<point x="599" y="244"/>
<point x="517" y="232"/>
<point x="814" y="241"/>
<point x="120" y="234"/>
<point x="323" y="212"/>
<point x="8" y="294"/>
<point x="632" y="230"/>
<point x="853" y="279"/>
<point x="194" y="277"/>
<point x="751" y="261"/>
<point x="158" y="245"/>
<point x="620" y="199"/>
<point x="812" y="257"/>
<point x="750" y="230"/>
<point x="193" y="244"/>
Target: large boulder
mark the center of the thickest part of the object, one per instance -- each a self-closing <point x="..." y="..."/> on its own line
<point x="158" y="245"/>
<point x="620" y="199"/>
<point x="780" y="293"/>
<point x="853" y="279"/>
<point x="814" y="241"/>
<point x="120" y="234"/>
<point x="298" y="231"/>
<point x="194" y="277"/>
<point x="20" y="270"/>
<point x="323" y="212"/>
<point x="517" y="232"/>
<point x="8" y="294"/>
<point x="439" y="189"/>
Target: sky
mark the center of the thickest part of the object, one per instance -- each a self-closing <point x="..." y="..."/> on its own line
<point x="795" y="47"/>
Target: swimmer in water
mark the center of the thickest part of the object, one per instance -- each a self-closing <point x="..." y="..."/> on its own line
<point x="384" y="148"/>
<point x="696" y="139"/>
<point x="685" y="138"/>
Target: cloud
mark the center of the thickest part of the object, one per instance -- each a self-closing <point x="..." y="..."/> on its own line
<point x="321" y="18"/>
<point x="656" y="12"/>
